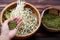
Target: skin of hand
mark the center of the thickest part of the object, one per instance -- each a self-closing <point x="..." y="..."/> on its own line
<point x="7" y="34"/>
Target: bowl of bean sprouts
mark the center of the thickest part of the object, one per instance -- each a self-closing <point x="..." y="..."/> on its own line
<point x="30" y="18"/>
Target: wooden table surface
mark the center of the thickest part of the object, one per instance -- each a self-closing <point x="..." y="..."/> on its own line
<point x="40" y="5"/>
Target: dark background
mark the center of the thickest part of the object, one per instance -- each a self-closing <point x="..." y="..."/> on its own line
<point x="41" y="34"/>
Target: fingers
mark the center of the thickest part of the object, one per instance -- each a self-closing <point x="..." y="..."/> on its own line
<point x="19" y="21"/>
<point x="11" y="19"/>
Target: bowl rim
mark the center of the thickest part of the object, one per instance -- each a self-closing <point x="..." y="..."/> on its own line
<point x="32" y="7"/>
<point x="50" y="29"/>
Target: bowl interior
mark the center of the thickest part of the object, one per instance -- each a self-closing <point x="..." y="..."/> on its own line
<point x="52" y="11"/>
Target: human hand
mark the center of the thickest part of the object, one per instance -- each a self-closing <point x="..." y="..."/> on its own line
<point x="5" y="32"/>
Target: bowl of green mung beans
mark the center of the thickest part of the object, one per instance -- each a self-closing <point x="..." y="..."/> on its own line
<point x="51" y="19"/>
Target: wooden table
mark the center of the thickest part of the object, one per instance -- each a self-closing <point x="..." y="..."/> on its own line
<point x="40" y="5"/>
